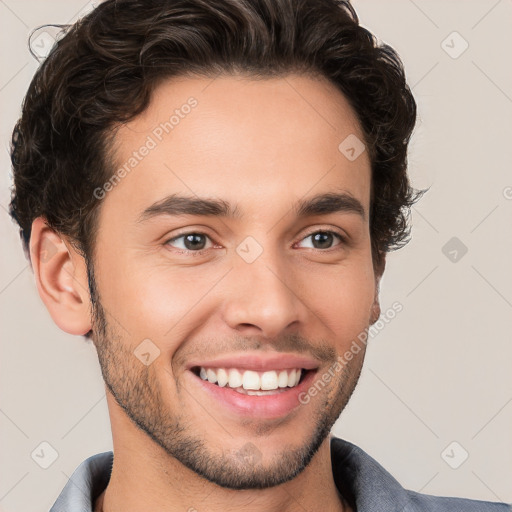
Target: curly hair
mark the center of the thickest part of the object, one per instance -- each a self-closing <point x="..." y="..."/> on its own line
<point x="103" y="70"/>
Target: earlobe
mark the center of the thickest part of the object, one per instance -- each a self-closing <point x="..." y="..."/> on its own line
<point x="375" y="308"/>
<point x="61" y="279"/>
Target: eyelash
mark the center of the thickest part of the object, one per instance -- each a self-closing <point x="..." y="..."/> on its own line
<point x="200" y="252"/>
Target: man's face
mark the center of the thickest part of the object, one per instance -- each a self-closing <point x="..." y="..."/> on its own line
<point x="246" y="296"/>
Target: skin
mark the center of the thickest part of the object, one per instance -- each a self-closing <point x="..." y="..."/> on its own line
<point x="262" y="145"/>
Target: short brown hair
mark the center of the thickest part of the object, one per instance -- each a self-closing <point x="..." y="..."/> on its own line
<point x="104" y="69"/>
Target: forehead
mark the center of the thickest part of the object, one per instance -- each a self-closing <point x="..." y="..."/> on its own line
<point x="257" y="142"/>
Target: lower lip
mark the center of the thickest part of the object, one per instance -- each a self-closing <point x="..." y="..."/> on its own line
<point x="267" y="406"/>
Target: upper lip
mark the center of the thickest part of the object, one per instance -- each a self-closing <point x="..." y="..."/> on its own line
<point x="259" y="362"/>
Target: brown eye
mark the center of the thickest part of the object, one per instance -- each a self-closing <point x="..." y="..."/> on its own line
<point x="323" y="239"/>
<point x="190" y="241"/>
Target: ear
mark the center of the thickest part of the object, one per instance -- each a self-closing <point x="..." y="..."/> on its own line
<point x="61" y="278"/>
<point x="378" y="271"/>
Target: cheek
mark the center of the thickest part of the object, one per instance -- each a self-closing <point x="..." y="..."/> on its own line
<point x="158" y="302"/>
<point x="343" y="299"/>
<point x="166" y="303"/>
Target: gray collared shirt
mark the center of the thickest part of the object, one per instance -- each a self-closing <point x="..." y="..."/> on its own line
<point x="366" y="485"/>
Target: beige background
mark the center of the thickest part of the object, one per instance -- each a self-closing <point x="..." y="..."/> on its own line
<point x="438" y="373"/>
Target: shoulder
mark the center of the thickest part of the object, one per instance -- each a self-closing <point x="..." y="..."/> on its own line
<point x="417" y="502"/>
<point x="369" y="487"/>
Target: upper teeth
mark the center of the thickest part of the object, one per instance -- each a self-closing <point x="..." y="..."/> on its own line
<point x="249" y="379"/>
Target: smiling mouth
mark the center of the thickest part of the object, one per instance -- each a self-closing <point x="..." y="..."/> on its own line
<point x="250" y="382"/>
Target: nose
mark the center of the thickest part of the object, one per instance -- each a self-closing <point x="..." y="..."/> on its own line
<point x="261" y="299"/>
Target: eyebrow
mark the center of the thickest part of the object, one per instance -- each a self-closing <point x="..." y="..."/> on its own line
<point x="321" y="204"/>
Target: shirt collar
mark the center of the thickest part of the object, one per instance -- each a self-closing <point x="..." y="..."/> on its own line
<point x="86" y="483"/>
<point x="363" y="482"/>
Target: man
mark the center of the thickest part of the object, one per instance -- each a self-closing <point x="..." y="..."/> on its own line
<point x="207" y="191"/>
